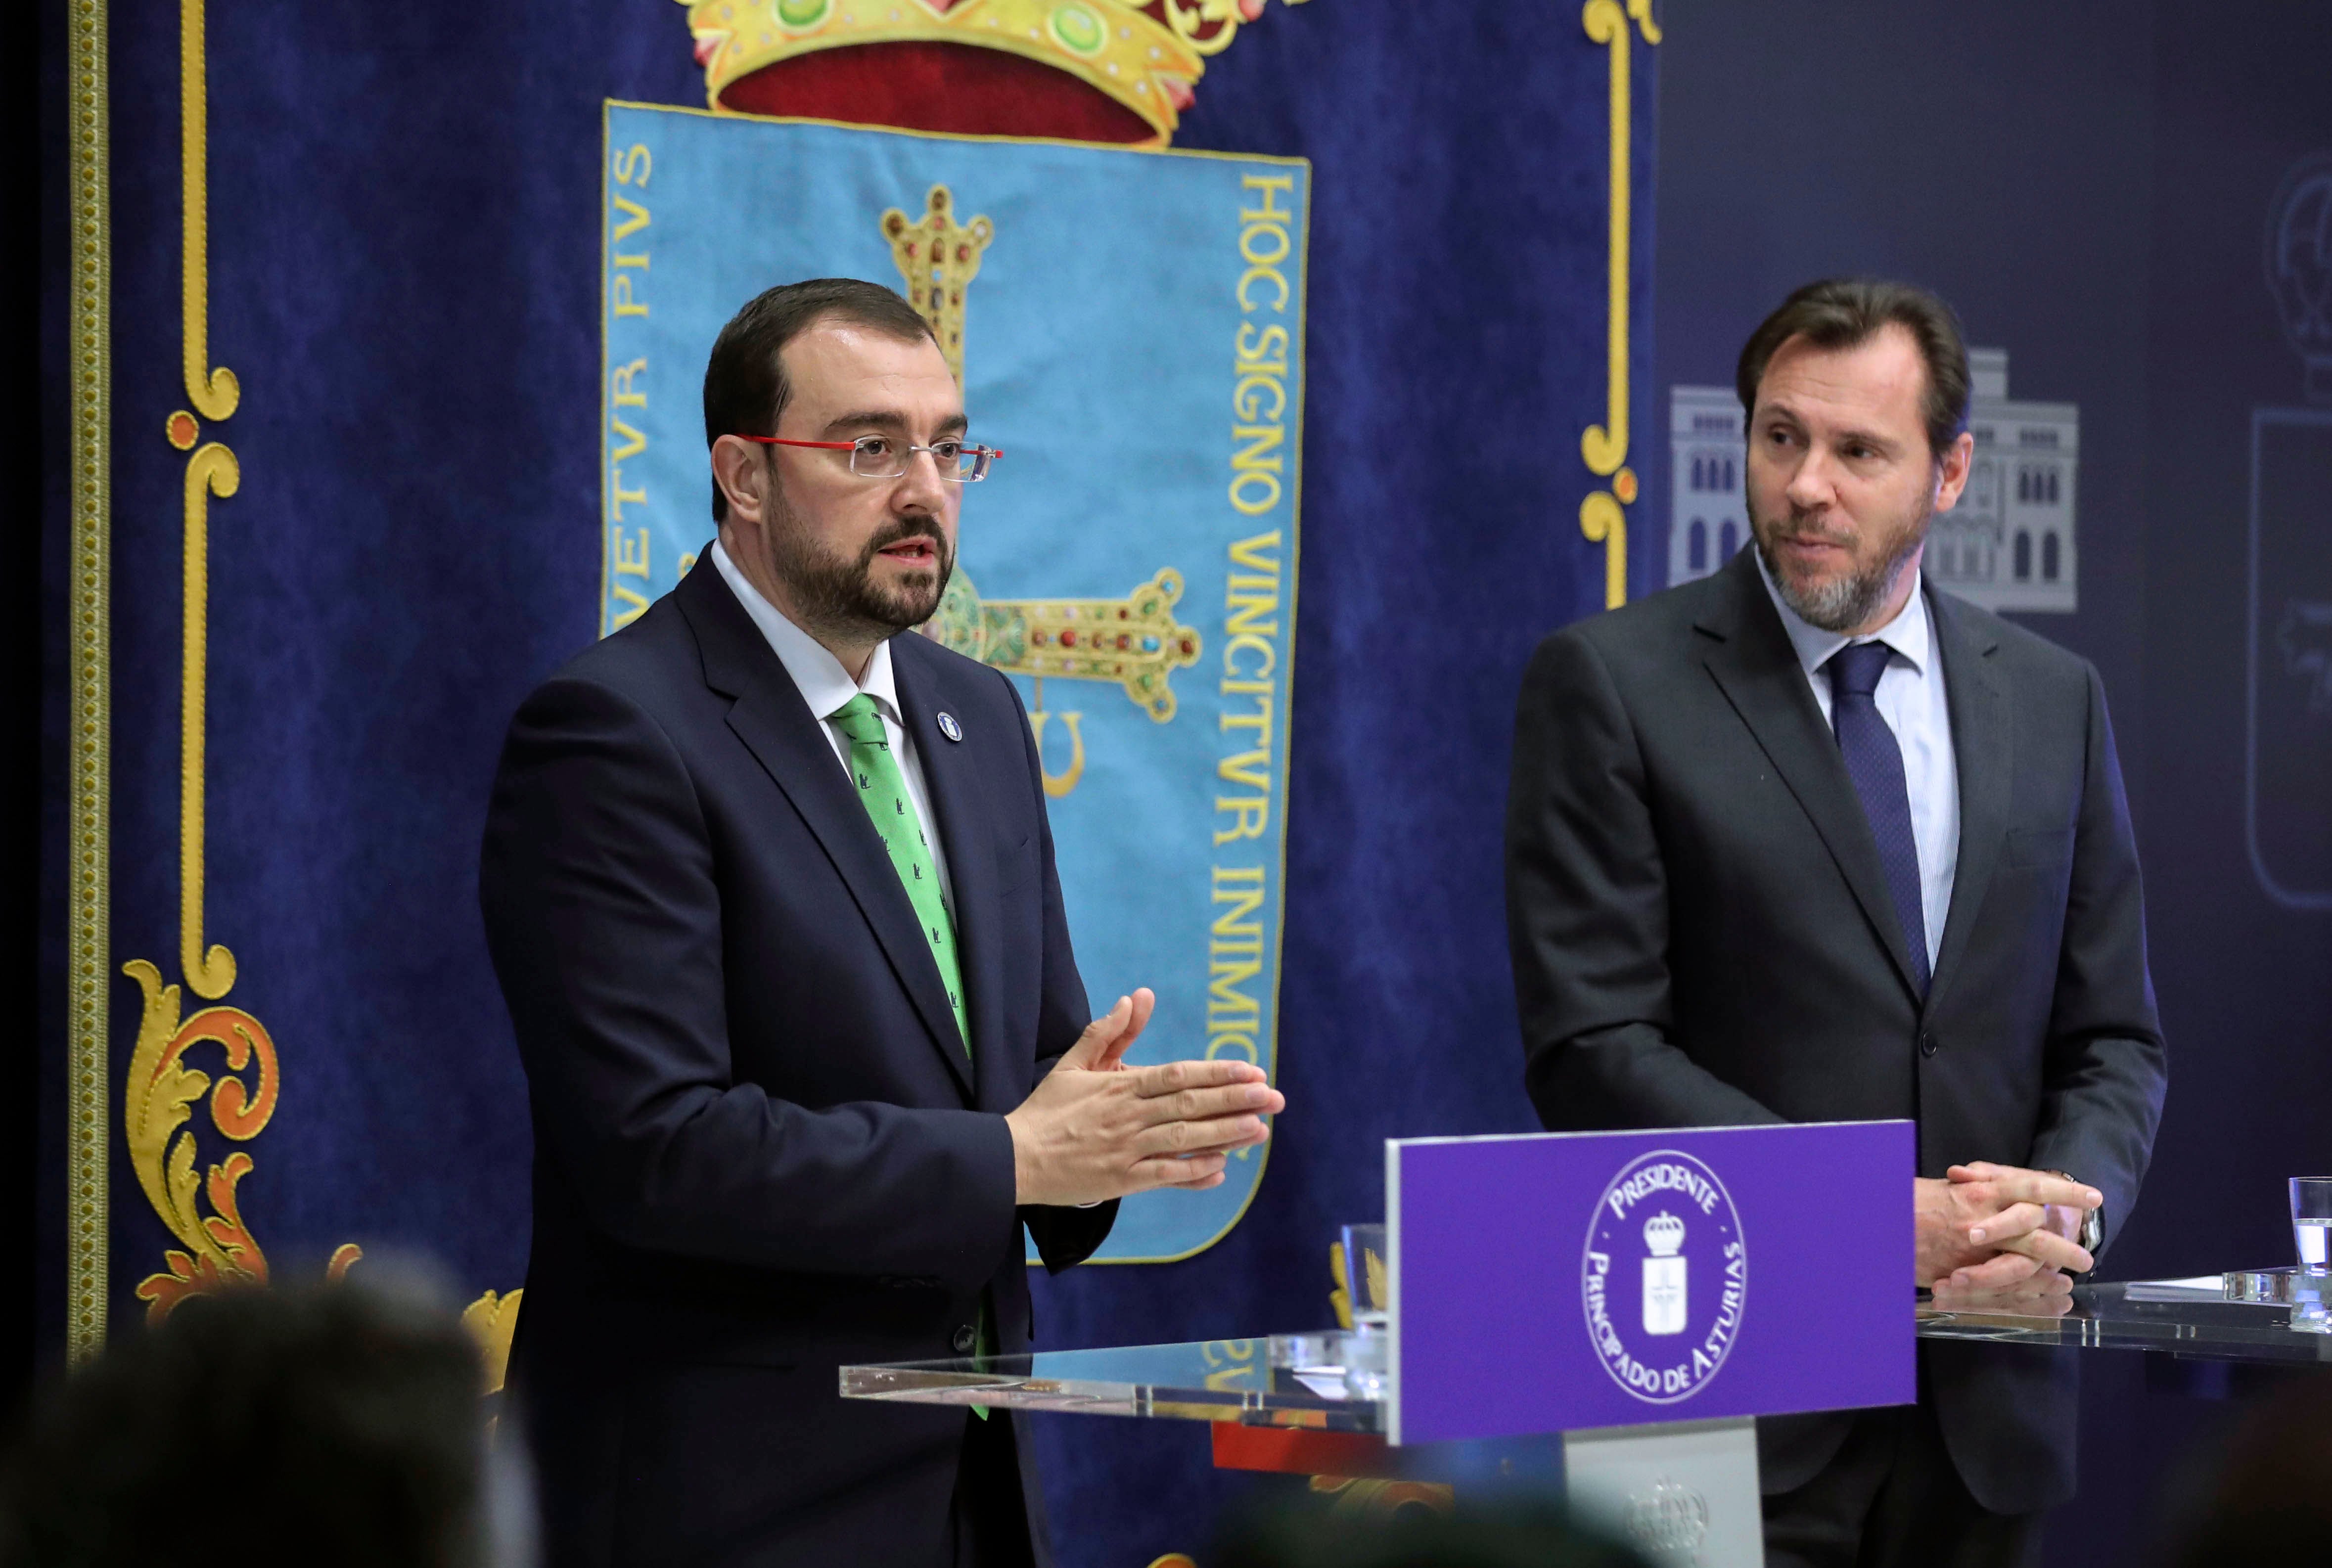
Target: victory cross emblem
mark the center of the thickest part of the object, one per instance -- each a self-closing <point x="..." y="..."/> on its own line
<point x="1134" y="642"/>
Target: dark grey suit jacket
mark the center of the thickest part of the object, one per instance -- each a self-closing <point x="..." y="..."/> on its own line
<point x="1702" y="937"/>
<point x="760" y="1148"/>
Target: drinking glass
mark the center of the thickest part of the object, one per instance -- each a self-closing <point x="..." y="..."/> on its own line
<point x="1368" y="1282"/>
<point x="2311" y="1218"/>
<point x="1368" y="1285"/>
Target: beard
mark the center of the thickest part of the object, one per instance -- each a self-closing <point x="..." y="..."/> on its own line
<point x="1841" y="603"/>
<point x="838" y="595"/>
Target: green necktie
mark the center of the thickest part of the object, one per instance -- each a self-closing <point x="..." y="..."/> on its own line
<point x="882" y="791"/>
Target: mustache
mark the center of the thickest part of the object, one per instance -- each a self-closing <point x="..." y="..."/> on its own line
<point x="899" y="532"/>
<point x="1799" y="531"/>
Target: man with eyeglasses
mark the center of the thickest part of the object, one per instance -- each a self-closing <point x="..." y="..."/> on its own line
<point x="770" y="892"/>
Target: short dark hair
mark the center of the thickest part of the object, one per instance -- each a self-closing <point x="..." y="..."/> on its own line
<point x="360" y="1410"/>
<point x="1846" y="313"/>
<point x="745" y="388"/>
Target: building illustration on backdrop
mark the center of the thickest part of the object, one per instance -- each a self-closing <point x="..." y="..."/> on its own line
<point x="2008" y="545"/>
<point x="2287" y="708"/>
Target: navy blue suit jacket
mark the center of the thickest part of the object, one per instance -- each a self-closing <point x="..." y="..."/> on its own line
<point x="1702" y="936"/>
<point x="761" y="1150"/>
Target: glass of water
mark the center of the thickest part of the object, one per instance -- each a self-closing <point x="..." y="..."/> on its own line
<point x="2311" y="1218"/>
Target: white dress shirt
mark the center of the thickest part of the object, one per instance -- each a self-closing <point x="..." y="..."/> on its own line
<point x="826" y="686"/>
<point x="1911" y="699"/>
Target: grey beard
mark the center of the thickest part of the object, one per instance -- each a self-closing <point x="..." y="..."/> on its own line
<point x="1846" y="603"/>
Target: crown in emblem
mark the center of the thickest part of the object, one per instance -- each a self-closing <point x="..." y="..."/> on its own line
<point x="1144" y="57"/>
<point x="1664" y="1234"/>
<point x="938" y="258"/>
<point x="1667" y="1518"/>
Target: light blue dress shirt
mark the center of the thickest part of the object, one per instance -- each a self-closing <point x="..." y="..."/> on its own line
<point x="1912" y="700"/>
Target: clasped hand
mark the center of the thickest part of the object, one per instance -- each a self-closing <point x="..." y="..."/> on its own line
<point x="1990" y="1227"/>
<point x="1096" y="1129"/>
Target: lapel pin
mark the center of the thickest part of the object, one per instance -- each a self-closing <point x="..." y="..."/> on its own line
<point x="950" y="728"/>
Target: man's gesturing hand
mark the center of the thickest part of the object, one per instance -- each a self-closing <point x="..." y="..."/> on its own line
<point x="1992" y="1227"/>
<point x="1096" y="1129"/>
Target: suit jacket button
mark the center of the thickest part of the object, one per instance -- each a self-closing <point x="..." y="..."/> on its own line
<point x="965" y="1338"/>
<point x="1927" y="1046"/>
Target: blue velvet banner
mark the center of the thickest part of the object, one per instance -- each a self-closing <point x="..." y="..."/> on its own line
<point x="327" y="592"/>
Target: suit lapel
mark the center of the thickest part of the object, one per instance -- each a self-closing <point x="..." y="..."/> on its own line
<point x="1983" y="752"/>
<point x="776" y="725"/>
<point x="949" y="773"/>
<point x="1751" y="658"/>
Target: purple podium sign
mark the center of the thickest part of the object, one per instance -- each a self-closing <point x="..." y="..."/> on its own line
<point x="1568" y="1280"/>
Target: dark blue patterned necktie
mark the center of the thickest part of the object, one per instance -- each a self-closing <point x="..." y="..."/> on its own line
<point x="1874" y="762"/>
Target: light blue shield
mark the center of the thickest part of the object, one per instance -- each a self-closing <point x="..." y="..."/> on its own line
<point x="1129" y="328"/>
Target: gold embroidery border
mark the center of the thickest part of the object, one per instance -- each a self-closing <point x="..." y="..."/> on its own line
<point x="89" y="869"/>
<point x="1602" y="515"/>
<point x="211" y="470"/>
<point x="160" y="1089"/>
<point x="209" y="969"/>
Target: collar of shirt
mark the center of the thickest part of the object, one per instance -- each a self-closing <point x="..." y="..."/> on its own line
<point x="824" y="683"/>
<point x="1907" y="634"/>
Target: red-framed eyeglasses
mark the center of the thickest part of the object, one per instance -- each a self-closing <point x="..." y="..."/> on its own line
<point x="881" y="457"/>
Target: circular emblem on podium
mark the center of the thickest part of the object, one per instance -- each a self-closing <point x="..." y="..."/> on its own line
<point x="1668" y="1519"/>
<point x="1665" y="1277"/>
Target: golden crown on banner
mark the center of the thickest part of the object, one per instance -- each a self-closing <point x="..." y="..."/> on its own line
<point x="1146" y="57"/>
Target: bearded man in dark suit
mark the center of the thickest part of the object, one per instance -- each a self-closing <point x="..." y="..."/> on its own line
<point x="771" y="891"/>
<point x="1810" y="840"/>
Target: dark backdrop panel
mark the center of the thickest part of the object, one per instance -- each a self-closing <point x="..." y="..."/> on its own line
<point x="2090" y="185"/>
<point x="2245" y="983"/>
<point x="1997" y="155"/>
